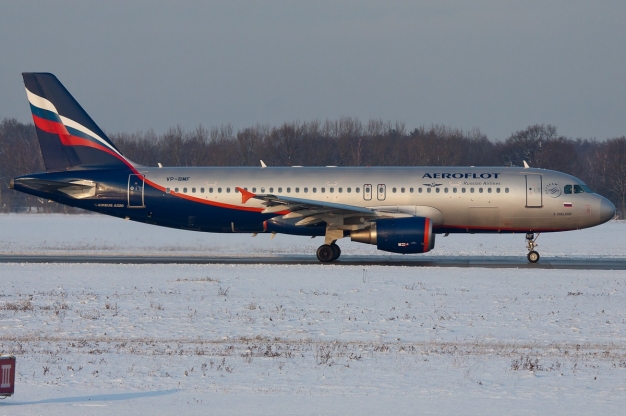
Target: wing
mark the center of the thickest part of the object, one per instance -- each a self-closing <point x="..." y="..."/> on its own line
<point x="311" y="211"/>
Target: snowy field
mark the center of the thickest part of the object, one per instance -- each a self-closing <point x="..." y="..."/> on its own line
<point x="229" y="339"/>
<point x="94" y="234"/>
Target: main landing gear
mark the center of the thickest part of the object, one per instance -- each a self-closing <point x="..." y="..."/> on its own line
<point x="328" y="252"/>
<point x="533" y="256"/>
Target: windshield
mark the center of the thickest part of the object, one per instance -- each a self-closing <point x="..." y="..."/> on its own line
<point x="577" y="189"/>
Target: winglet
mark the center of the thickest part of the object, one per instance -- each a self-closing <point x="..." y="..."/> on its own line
<point x="245" y="195"/>
<point x="263" y="165"/>
<point x="526" y="165"/>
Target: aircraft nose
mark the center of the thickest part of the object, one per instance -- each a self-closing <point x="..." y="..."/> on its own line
<point x="607" y="210"/>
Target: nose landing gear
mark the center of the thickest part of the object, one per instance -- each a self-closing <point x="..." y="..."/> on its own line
<point x="533" y="256"/>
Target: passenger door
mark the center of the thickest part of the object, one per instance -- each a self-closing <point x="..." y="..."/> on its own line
<point x="135" y="191"/>
<point x="533" y="191"/>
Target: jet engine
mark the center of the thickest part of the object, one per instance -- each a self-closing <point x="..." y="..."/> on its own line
<point x="399" y="235"/>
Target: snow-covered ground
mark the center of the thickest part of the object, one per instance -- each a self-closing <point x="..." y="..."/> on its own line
<point x="231" y="339"/>
<point x="93" y="234"/>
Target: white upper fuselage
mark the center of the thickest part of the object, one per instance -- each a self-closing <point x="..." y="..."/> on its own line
<point x="456" y="198"/>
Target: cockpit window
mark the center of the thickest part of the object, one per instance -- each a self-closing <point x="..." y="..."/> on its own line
<point x="577" y="189"/>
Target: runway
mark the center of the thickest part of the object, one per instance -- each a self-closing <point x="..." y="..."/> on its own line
<point x="509" y="262"/>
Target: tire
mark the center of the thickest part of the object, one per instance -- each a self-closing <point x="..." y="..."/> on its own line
<point x="325" y="253"/>
<point x="533" y="257"/>
<point x="336" y="251"/>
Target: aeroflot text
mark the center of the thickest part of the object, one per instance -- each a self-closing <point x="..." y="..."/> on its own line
<point x="461" y="175"/>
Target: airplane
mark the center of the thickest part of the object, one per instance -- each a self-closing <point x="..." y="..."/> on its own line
<point x="397" y="209"/>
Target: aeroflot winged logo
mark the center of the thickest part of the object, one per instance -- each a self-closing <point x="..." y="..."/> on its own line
<point x="461" y="175"/>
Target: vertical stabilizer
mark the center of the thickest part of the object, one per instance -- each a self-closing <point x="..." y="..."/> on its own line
<point x="68" y="137"/>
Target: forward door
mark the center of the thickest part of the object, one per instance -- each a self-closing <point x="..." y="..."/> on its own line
<point x="533" y="191"/>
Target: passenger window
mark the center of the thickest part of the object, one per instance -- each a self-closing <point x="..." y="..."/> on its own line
<point x="393" y="190"/>
<point x="498" y="190"/>
<point x="348" y="190"/>
<point x="463" y="190"/>
<point x="253" y="190"/>
<point x="402" y="190"/>
<point x="472" y="190"/>
<point x="297" y="190"/>
<point x="288" y="190"/>
<point x="228" y="190"/>
<point x="489" y="190"/>
<point x="357" y="190"/>
<point x="437" y="190"/>
<point x="193" y="190"/>
<point x="201" y="190"/>
<point x="322" y="190"/>
<point x="280" y="190"/>
<point x="306" y="190"/>
<point x="454" y="190"/>
<point x="271" y="189"/>
<point x="184" y="190"/>
<point x="420" y="190"/>
<point x="506" y="190"/>
<point x="480" y="190"/>
<point x="314" y="190"/>
<point x="340" y="190"/>
<point x="175" y="189"/>
<point x="428" y="190"/>
<point x="445" y="190"/>
<point x="411" y="190"/>
<point x="219" y="190"/>
<point x="332" y="190"/>
<point x="210" y="190"/>
<point x="167" y="190"/>
<point x="262" y="189"/>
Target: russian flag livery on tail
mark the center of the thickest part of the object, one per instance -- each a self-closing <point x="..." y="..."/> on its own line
<point x="68" y="137"/>
<point x="389" y="207"/>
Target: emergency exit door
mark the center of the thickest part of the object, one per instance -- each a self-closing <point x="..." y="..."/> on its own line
<point x="367" y="192"/>
<point x="382" y="191"/>
<point x="533" y="191"/>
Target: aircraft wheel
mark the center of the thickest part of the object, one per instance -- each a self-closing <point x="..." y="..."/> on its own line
<point x="325" y="253"/>
<point x="533" y="257"/>
<point x="336" y="251"/>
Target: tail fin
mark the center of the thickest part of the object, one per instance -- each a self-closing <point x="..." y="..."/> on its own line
<point x="68" y="137"/>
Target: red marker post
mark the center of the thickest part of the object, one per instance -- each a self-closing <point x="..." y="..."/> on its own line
<point x="7" y="375"/>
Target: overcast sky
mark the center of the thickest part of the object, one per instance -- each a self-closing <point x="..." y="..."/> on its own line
<point x="496" y="65"/>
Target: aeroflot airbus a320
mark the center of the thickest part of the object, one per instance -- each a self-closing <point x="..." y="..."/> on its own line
<point x="398" y="209"/>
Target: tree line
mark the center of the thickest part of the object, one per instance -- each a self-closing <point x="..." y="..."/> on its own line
<point x="343" y="142"/>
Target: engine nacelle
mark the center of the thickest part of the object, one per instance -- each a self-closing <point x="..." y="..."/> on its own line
<point x="399" y="235"/>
